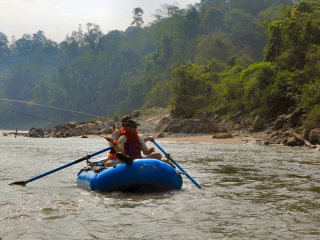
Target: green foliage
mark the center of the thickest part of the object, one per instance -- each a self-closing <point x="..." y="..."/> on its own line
<point x="254" y="7"/>
<point x="312" y="66"/>
<point x="212" y="20"/>
<point x="192" y="88"/>
<point x="281" y="95"/>
<point x="290" y="37"/>
<point x="4" y="45"/>
<point x="245" y="31"/>
<point x="92" y="36"/>
<point x="158" y="95"/>
<point x="294" y="46"/>
<point x="205" y="58"/>
<point x="190" y="26"/>
<point x="256" y="82"/>
<point x="216" y="46"/>
<point x="313" y="118"/>
<point x="116" y="118"/>
<point x="229" y="91"/>
<point x="311" y="95"/>
<point x="275" y="43"/>
<point x="270" y="88"/>
<point x="137" y="17"/>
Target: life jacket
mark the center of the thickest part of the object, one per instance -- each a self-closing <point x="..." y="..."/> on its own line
<point x="112" y="154"/>
<point x="132" y="146"/>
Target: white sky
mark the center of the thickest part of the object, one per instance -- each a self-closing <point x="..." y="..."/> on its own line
<point x="57" y="18"/>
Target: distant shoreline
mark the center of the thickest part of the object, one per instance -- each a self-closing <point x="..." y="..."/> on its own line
<point x="193" y="138"/>
<point x="206" y="138"/>
<point x="199" y="139"/>
<point x="209" y="139"/>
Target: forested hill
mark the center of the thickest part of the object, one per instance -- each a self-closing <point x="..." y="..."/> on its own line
<point x="214" y="57"/>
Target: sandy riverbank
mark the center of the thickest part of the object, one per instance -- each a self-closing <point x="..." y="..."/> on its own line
<point x="202" y="138"/>
<point x="209" y="139"/>
<point x="186" y="138"/>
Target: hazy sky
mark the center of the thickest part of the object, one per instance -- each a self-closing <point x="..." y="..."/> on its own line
<point x="57" y="18"/>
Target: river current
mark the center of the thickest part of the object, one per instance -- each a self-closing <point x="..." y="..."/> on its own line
<point x="249" y="192"/>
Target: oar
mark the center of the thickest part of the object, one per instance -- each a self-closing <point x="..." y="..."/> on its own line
<point x="59" y="168"/>
<point x="175" y="163"/>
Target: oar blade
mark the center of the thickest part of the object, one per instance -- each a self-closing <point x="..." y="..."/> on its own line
<point x="21" y="183"/>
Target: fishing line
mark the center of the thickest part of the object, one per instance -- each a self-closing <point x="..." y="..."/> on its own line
<point x="33" y="116"/>
<point x="97" y="108"/>
<point x="47" y="106"/>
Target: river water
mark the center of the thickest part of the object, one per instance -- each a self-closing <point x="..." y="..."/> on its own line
<point x="249" y="192"/>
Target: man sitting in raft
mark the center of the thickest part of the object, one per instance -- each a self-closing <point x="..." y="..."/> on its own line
<point x="130" y="144"/>
<point x="113" y="141"/>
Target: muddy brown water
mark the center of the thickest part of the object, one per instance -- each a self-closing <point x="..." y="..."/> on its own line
<point x="249" y="192"/>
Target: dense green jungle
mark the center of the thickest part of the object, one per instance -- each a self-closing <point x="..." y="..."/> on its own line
<point x="213" y="58"/>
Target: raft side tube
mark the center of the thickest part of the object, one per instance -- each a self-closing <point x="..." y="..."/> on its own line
<point x="141" y="175"/>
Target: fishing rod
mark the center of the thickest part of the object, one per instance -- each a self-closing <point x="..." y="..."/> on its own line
<point x="47" y="106"/>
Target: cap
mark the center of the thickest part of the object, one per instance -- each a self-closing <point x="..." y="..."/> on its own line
<point x="131" y="123"/>
<point x="126" y="118"/>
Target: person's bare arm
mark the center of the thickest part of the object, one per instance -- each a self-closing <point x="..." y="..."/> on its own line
<point x="144" y="148"/>
<point x="120" y="145"/>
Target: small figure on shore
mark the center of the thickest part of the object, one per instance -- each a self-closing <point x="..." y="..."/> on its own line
<point x="15" y="134"/>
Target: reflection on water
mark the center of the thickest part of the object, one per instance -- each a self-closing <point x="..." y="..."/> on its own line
<point x="250" y="192"/>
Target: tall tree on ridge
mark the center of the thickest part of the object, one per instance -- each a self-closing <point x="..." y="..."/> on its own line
<point x="93" y="36"/>
<point x="137" y="17"/>
<point x="4" y="48"/>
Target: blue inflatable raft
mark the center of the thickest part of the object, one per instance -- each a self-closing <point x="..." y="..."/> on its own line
<point x="141" y="175"/>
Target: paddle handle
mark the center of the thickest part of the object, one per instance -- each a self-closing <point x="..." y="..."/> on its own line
<point x="175" y="163"/>
<point x="67" y="165"/>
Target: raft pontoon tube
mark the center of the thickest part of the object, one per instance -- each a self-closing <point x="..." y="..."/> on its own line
<point x="141" y="175"/>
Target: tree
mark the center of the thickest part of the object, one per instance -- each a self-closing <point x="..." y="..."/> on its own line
<point x="274" y="45"/>
<point x="254" y="7"/>
<point x="257" y="79"/>
<point x="245" y="31"/>
<point x="110" y="43"/>
<point x="23" y="45"/>
<point x="39" y="38"/>
<point x="68" y="50"/>
<point x="218" y="3"/>
<point x="137" y="17"/>
<point x="191" y="23"/>
<point x="77" y="37"/>
<point x="203" y="52"/>
<point x="92" y="36"/>
<point x="214" y="46"/>
<point x="166" y="11"/>
<point x="192" y="88"/>
<point x="4" y="50"/>
<point x="212" y="19"/>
